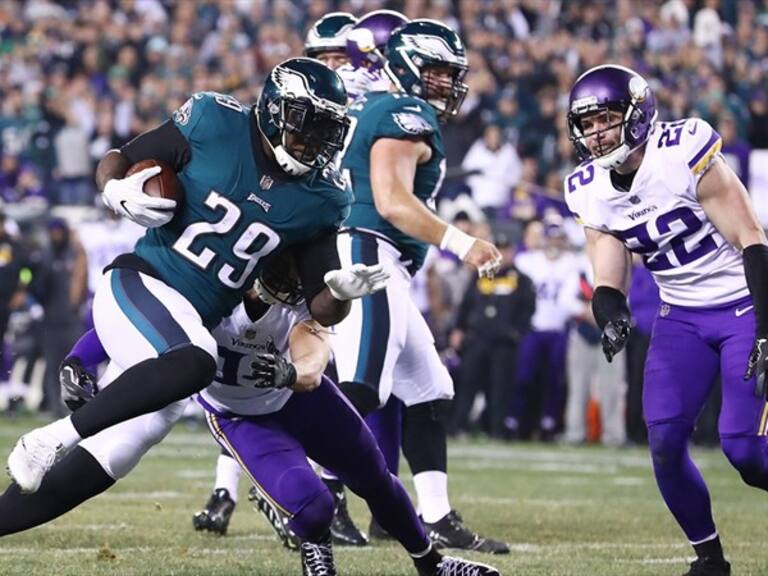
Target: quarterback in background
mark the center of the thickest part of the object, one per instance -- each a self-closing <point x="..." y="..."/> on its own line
<point x="327" y="39"/>
<point x="662" y="190"/>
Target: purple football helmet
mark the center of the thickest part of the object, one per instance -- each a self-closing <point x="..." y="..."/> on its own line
<point x="612" y="88"/>
<point x="368" y="39"/>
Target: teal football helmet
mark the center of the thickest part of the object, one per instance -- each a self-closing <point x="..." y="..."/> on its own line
<point x="427" y="59"/>
<point x="329" y="34"/>
<point x="302" y="114"/>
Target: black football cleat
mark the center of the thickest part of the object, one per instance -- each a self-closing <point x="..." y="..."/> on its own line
<point x="376" y="532"/>
<point x="450" y="532"/>
<point x="707" y="566"/>
<point x="77" y="385"/>
<point x="276" y="518"/>
<point x="217" y="513"/>
<point x="343" y="529"/>
<point x="450" y="566"/>
<point x="317" y="558"/>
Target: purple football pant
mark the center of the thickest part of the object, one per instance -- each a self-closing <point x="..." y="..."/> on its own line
<point x="386" y="424"/>
<point x="323" y="426"/>
<point x="90" y="351"/>
<point x="689" y="348"/>
<point x="541" y="354"/>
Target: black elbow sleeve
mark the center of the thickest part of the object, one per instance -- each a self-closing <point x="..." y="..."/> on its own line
<point x="165" y="142"/>
<point x="609" y="304"/>
<point x="313" y="260"/>
<point x="756" y="271"/>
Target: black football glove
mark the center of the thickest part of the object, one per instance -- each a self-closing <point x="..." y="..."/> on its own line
<point x="756" y="366"/>
<point x="615" y="336"/>
<point x="77" y="386"/>
<point x="272" y="371"/>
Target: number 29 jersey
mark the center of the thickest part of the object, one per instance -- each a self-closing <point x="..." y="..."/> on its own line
<point x="661" y="218"/>
<point x="236" y="210"/>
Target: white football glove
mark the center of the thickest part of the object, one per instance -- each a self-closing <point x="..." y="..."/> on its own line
<point x="126" y="196"/>
<point x="356" y="281"/>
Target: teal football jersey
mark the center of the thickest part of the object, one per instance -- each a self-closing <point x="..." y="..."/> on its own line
<point x="235" y="211"/>
<point x="400" y="116"/>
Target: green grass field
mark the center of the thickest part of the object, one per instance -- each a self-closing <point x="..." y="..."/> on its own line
<point x="576" y="511"/>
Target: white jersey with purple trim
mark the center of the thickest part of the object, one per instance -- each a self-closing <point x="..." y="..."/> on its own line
<point x="550" y="276"/>
<point x="238" y="338"/>
<point x="661" y="217"/>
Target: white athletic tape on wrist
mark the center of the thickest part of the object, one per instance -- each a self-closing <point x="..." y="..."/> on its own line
<point x="457" y="242"/>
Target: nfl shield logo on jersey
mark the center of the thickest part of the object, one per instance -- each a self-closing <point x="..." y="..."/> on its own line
<point x="266" y="182"/>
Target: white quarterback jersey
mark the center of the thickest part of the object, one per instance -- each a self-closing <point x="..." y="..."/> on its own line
<point x="238" y="338"/>
<point x="661" y="218"/>
<point x="550" y="277"/>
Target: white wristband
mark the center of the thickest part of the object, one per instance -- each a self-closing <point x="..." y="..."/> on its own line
<point x="457" y="242"/>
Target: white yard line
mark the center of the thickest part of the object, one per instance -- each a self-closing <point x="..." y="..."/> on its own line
<point x="92" y="527"/>
<point x="157" y="495"/>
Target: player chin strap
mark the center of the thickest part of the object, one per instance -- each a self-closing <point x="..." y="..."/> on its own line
<point x="288" y="163"/>
<point x="756" y="272"/>
<point x="614" y="159"/>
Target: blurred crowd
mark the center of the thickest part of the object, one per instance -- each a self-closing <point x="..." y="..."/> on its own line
<point x="80" y="77"/>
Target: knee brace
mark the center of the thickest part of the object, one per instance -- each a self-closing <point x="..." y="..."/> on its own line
<point x="363" y="397"/>
<point x="424" y="436"/>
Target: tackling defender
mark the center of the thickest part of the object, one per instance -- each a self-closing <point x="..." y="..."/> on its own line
<point x="395" y="163"/>
<point x="269" y="407"/>
<point x="662" y="190"/>
<point x="255" y="178"/>
<point x="271" y="432"/>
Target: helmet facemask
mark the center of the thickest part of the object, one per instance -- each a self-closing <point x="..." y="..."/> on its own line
<point x="443" y="86"/>
<point x="327" y="39"/>
<point x="427" y="59"/>
<point x="308" y="137"/>
<point x="279" y="283"/>
<point x="609" y="155"/>
<point x="618" y="100"/>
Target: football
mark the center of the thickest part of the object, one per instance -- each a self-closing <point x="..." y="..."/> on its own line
<point x="163" y="185"/>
